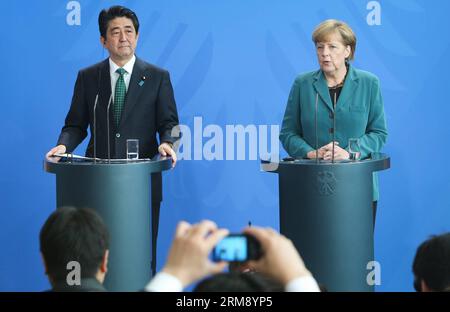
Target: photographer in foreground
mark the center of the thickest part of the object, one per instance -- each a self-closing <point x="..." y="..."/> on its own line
<point x="188" y="259"/>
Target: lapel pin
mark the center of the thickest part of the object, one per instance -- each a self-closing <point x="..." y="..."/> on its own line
<point x="141" y="83"/>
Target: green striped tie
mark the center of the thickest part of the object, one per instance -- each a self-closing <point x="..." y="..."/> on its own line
<point x="119" y="96"/>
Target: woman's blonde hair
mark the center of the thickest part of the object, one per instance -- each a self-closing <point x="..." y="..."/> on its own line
<point x="328" y="27"/>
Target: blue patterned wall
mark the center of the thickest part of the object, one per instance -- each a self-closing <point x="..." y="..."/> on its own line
<point x="231" y="63"/>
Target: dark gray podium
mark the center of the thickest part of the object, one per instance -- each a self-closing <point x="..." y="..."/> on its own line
<point x="325" y="209"/>
<point x="120" y="192"/>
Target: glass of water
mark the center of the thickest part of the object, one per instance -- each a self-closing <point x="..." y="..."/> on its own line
<point x="354" y="149"/>
<point x="132" y="149"/>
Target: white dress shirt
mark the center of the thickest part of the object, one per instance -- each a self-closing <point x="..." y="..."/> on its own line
<point x="302" y="284"/>
<point x="165" y="282"/>
<point x="114" y="76"/>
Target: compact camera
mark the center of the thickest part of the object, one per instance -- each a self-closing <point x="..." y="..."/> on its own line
<point x="237" y="248"/>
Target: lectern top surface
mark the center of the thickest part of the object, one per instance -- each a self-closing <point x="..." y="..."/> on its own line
<point x="376" y="162"/>
<point x="65" y="164"/>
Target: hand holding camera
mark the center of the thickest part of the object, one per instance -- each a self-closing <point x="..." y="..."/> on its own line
<point x="280" y="259"/>
<point x="188" y="256"/>
<point x="263" y="249"/>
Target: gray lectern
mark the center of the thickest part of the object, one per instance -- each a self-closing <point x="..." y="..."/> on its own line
<point x="325" y="209"/>
<point x="120" y="191"/>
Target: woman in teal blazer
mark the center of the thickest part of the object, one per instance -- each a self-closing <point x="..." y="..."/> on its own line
<point x="349" y="103"/>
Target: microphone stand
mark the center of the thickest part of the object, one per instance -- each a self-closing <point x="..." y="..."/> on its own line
<point x="334" y="127"/>
<point x="95" y="128"/>
<point x="107" y="126"/>
<point x="315" y="124"/>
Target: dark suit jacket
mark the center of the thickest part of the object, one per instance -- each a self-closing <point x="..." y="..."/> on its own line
<point x="86" y="285"/>
<point x="149" y="109"/>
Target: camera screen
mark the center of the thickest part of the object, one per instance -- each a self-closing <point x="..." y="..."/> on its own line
<point x="231" y="248"/>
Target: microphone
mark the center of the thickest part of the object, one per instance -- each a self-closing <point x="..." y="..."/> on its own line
<point x="107" y="126"/>
<point x="95" y="128"/>
<point x="95" y="115"/>
<point x="315" y="126"/>
<point x="334" y="127"/>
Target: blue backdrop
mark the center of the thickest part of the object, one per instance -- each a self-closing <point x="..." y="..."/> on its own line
<point x="231" y="62"/>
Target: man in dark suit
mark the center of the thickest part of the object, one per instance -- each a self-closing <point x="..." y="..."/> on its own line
<point x="140" y="100"/>
<point x="74" y="244"/>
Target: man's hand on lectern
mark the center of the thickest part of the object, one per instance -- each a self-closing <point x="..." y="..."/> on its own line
<point x="60" y="149"/>
<point x="165" y="149"/>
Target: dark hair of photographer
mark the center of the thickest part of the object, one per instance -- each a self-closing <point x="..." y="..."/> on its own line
<point x="74" y="234"/>
<point x="431" y="266"/>
<point x="239" y="282"/>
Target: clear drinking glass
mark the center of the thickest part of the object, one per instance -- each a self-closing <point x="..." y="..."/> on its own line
<point x="354" y="149"/>
<point x="132" y="149"/>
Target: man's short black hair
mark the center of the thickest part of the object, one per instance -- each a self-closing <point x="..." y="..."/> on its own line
<point x="73" y="234"/>
<point x="107" y="15"/>
<point x="432" y="263"/>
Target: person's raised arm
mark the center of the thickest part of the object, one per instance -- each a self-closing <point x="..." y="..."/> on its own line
<point x="281" y="261"/>
<point x="188" y="259"/>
